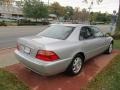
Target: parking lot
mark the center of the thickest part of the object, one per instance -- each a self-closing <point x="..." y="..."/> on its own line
<point x="9" y="34"/>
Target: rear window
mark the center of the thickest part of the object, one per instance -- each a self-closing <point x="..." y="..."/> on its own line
<point x="57" y="32"/>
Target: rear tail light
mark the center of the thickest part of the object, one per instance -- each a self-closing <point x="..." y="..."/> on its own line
<point x="46" y="55"/>
<point x="18" y="46"/>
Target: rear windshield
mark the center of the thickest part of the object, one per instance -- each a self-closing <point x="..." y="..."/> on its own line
<point x="57" y="32"/>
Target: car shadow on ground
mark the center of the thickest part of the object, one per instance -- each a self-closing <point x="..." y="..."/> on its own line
<point x="62" y="81"/>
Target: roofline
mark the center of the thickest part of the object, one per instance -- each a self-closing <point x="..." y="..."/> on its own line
<point x="73" y="25"/>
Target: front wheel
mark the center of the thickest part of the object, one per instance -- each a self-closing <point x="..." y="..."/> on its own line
<point x="76" y="66"/>
<point x="109" y="50"/>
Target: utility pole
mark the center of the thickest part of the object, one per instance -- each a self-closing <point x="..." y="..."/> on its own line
<point x="90" y="7"/>
<point x="48" y="11"/>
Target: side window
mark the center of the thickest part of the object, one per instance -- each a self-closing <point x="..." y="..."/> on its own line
<point x="97" y="32"/>
<point x="86" y="33"/>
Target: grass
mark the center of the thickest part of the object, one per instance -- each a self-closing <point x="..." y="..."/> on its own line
<point x="109" y="78"/>
<point x="117" y="44"/>
<point x="9" y="82"/>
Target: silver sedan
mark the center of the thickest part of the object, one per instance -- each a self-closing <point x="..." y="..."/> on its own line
<point x="62" y="48"/>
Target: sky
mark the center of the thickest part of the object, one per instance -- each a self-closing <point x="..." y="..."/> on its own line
<point x="105" y="6"/>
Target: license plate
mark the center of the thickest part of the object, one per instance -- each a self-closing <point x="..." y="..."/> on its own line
<point x="27" y="50"/>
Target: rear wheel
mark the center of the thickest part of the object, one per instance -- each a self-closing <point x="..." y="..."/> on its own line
<point x="76" y="65"/>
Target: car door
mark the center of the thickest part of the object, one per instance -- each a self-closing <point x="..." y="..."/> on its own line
<point x="101" y="40"/>
<point x="88" y="42"/>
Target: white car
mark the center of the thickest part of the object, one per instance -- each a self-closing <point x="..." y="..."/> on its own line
<point x="62" y="47"/>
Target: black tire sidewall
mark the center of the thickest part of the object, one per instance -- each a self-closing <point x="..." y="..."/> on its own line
<point x="70" y="68"/>
<point x="109" y="48"/>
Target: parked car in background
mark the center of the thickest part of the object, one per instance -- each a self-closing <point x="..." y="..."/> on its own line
<point x="62" y="48"/>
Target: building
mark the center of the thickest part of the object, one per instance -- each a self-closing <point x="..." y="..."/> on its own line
<point x="8" y="10"/>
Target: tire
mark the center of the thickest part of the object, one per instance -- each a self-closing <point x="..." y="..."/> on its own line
<point x="110" y="48"/>
<point x="76" y="66"/>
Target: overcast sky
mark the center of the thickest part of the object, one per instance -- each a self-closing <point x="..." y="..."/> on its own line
<point x="106" y="5"/>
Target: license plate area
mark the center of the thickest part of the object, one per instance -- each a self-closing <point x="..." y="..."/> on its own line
<point x="27" y="50"/>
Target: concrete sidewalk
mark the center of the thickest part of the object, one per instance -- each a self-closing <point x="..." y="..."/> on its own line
<point x="7" y="57"/>
<point x="61" y="81"/>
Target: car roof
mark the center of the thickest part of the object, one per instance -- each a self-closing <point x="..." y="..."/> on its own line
<point x="72" y="25"/>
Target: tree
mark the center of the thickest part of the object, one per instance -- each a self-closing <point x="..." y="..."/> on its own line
<point x="57" y="9"/>
<point x="100" y="17"/>
<point x="19" y="3"/>
<point x="76" y="14"/>
<point x="84" y="15"/>
<point x="35" y="9"/>
<point x="69" y="9"/>
<point x="118" y="20"/>
<point x="68" y="12"/>
<point x="80" y="16"/>
<point x="1" y="2"/>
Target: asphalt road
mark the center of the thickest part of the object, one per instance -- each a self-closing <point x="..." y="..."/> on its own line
<point x="9" y="34"/>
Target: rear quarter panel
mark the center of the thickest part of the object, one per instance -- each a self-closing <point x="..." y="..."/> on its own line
<point x="65" y="49"/>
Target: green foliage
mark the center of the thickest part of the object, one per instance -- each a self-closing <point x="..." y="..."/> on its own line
<point x="100" y="17"/>
<point x="28" y="22"/>
<point x="103" y="17"/>
<point x="68" y="12"/>
<point x="117" y="35"/>
<point x="24" y="22"/>
<point x="57" y="9"/>
<point x="19" y="3"/>
<point x="117" y="44"/>
<point x="109" y="78"/>
<point x="35" y="9"/>
<point x="9" y="82"/>
<point x="80" y="15"/>
<point x="69" y="9"/>
<point x="2" y="23"/>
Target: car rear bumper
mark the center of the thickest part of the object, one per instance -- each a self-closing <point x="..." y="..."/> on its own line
<point x="42" y="67"/>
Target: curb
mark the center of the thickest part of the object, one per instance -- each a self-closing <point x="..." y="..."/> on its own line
<point x="4" y="50"/>
<point x="8" y="48"/>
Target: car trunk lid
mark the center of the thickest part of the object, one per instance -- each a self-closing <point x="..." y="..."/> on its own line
<point x="30" y="45"/>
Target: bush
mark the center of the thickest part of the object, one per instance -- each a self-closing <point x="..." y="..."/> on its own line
<point x="24" y="22"/>
<point x="116" y="36"/>
<point x="28" y="22"/>
<point x="45" y="22"/>
<point x="109" y="34"/>
<point x="3" y="23"/>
